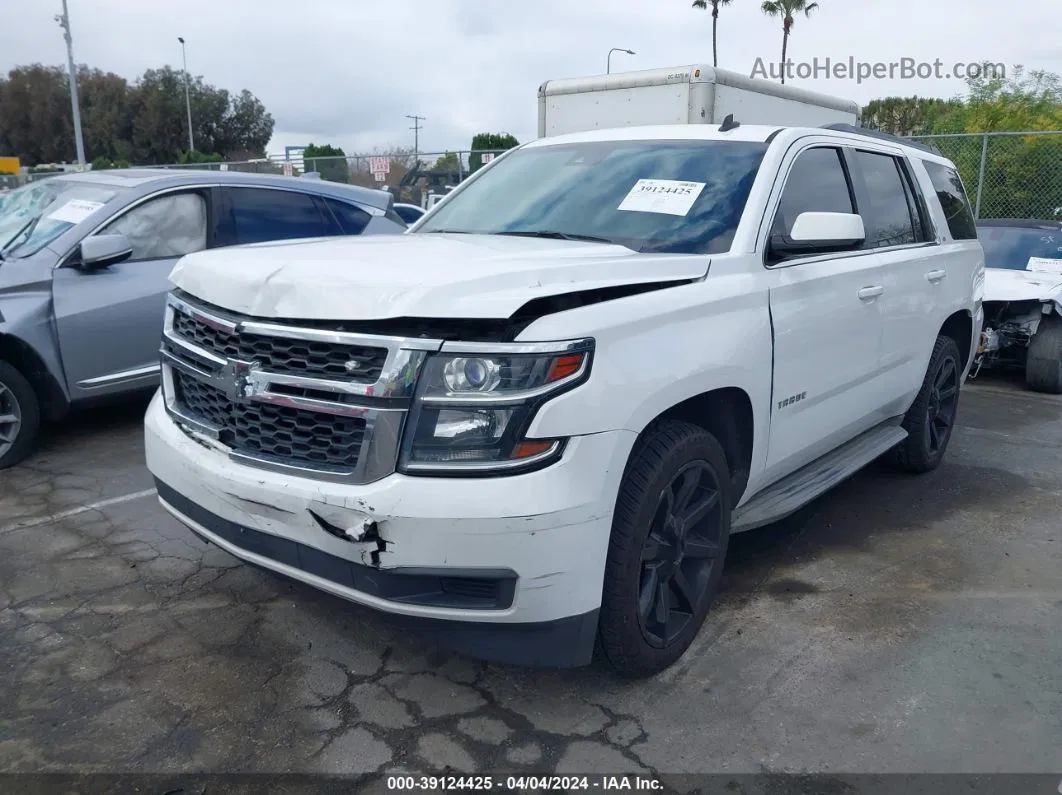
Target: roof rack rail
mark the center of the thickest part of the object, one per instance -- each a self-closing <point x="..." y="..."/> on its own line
<point x="869" y="133"/>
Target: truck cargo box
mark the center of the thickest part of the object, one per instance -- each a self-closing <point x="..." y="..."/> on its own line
<point x="694" y="94"/>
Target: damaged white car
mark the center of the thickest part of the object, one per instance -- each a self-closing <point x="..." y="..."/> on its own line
<point x="1023" y="300"/>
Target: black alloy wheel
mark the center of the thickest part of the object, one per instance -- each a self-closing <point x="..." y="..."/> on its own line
<point x="679" y="553"/>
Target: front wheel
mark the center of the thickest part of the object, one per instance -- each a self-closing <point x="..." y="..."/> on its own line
<point x="931" y="418"/>
<point x="19" y="416"/>
<point x="669" y="538"/>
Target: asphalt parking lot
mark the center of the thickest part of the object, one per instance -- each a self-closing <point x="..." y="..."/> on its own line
<point x="898" y="625"/>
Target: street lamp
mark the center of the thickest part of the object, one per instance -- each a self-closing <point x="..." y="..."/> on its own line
<point x="64" y="22"/>
<point x="187" y="96"/>
<point x="608" y="67"/>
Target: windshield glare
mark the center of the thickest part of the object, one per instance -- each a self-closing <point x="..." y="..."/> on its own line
<point x="623" y="192"/>
<point x="1012" y="247"/>
<point x="34" y="215"/>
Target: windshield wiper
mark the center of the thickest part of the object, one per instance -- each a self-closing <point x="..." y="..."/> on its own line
<point x="26" y="230"/>
<point x="553" y="235"/>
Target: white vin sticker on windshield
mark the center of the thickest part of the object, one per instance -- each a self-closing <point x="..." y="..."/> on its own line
<point x="666" y="196"/>
<point x="1044" y="265"/>
<point x="75" y="211"/>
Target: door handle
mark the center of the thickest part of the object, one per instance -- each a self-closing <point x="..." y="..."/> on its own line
<point x="870" y="292"/>
<point x="936" y="276"/>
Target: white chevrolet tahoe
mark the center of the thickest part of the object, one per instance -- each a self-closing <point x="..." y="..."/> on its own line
<point x="529" y="425"/>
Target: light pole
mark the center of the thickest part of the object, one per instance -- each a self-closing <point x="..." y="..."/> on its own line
<point x="187" y="96"/>
<point x="64" y="22"/>
<point x="608" y="67"/>
<point x="416" y="137"/>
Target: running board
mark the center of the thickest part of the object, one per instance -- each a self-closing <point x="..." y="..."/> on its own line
<point x="793" y="492"/>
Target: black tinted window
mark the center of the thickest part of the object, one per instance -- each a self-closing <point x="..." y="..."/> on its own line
<point x="953" y="200"/>
<point x="885" y="209"/>
<point x="816" y="183"/>
<point x="352" y="220"/>
<point x="259" y="215"/>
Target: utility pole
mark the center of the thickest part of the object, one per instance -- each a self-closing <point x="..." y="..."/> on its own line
<point x="64" y="22"/>
<point x="416" y="137"/>
<point x="187" y="96"/>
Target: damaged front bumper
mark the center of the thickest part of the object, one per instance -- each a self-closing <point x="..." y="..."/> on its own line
<point x="506" y="568"/>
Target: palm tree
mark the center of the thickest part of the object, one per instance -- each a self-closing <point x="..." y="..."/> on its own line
<point x="785" y="9"/>
<point x="702" y="4"/>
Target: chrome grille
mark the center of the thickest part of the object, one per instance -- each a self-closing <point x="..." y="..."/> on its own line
<point x="318" y="401"/>
<point x="296" y="357"/>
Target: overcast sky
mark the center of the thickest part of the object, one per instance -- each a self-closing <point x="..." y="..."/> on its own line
<point x="347" y="72"/>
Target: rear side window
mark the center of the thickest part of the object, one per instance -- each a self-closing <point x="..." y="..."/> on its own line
<point x="886" y="206"/>
<point x="352" y="220"/>
<point x="816" y="183"/>
<point x="258" y="215"/>
<point x="953" y="200"/>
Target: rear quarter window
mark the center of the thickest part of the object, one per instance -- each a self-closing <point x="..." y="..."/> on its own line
<point x="953" y="200"/>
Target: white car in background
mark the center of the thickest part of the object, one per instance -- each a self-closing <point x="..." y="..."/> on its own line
<point x="410" y="213"/>
<point x="1023" y="300"/>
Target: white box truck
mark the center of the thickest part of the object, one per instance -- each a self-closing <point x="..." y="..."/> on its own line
<point x="694" y="94"/>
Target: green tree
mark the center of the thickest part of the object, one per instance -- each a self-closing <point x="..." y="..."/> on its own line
<point x="906" y="115"/>
<point x="144" y="122"/>
<point x="1022" y="173"/>
<point x="714" y="5"/>
<point x="447" y="162"/>
<point x="332" y="164"/>
<point x="786" y="9"/>
<point x="488" y="142"/>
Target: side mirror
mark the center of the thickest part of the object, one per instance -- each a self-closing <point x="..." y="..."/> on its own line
<point x="101" y="251"/>
<point x="820" y="233"/>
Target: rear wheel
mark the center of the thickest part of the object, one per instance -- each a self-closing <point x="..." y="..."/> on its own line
<point x="19" y="416"/>
<point x="665" y="558"/>
<point x="931" y="418"/>
<point x="1043" y="363"/>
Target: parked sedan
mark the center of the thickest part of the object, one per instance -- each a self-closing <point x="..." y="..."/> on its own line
<point x="1023" y="300"/>
<point x="84" y="267"/>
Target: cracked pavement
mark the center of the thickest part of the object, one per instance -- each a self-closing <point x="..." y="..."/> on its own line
<point x="897" y="625"/>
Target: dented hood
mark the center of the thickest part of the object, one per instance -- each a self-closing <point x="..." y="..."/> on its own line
<point x="414" y="275"/>
<point x="1002" y="284"/>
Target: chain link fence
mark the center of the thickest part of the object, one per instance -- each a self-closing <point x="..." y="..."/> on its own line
<point x="410" y="177"/>
<point x="1007" y="174"/>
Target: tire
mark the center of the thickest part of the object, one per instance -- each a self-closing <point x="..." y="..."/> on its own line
<point x="670" y="455"/>
<point x="18" y="401"/>
<point x="930" y="420"/>
<point x="1043" y="363"/>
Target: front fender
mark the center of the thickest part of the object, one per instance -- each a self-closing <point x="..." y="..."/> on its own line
<point x="658" y="349"/>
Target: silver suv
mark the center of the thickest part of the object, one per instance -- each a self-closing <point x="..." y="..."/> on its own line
<point x="84" y="267"/>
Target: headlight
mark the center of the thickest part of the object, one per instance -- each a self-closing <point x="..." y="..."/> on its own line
<point x="474" y="406"/>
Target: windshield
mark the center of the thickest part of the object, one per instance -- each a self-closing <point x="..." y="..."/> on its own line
<point x="34" y="215"/>
<point x="1021" y="248"/>
<point x="661" y="196"/>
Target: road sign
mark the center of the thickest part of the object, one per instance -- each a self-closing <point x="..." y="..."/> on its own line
<point x="380" y="165"/>
<point x="488" y="156"/>
<point x="287" y="170"/>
